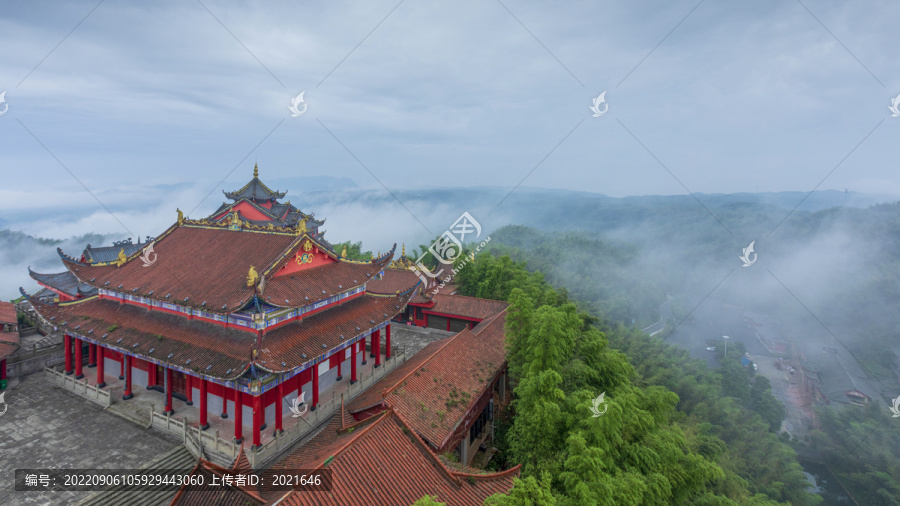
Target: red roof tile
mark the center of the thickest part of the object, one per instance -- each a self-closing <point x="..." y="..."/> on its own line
<point x="311" y="285"/>
<point x="214" y="495"/>
<point x="438" y="396"/>
<point x="384" y="462"/>
<point x="215" y="351"/>
<point x="7" y="313"/>
<point x="394" y="281"/>
<point x="204" y="264"/>
<point x="469" y="307"/>
<point x="373" y="395"/>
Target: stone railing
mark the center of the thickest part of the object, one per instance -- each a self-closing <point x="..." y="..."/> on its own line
<point x="195" y="439"/>
<point x="268" y="452"/>
<point x="81" y="388"/>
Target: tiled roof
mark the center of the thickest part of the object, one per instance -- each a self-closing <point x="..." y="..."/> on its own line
<point x="209" y="267"/>
<point x="46" y="294"/>
<point x="317" y="283"/>
<point x="326" y="443"/>
<point x="109" y="253"/>
<point x="383" y="462"/>
<point x="213" y="350"/>
<point x="279" y="214"/>
<point x="214" y="495"/>
<point x="9" y="341"/>
<point x="65" y="282"/>
<point x="173" y="339"/>
<point x="421" y="296"/>
<point x="7" y="346"/>
<point x="394" y="281"/>
<point x="437" y="396"/>
<point x="325" y="330"/>
<point x="202" y="264"/>
<point x="8" y="313"/>
<point x="255" y="189"/>
<point x="470" y="307"/>
<point x="373" y="395"/>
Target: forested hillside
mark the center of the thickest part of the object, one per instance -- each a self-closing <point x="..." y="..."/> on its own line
<point x="651" y="446"/>
<point x="578" y="299"/>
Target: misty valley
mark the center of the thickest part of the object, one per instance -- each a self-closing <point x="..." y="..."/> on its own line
<point x="766" y="383"/>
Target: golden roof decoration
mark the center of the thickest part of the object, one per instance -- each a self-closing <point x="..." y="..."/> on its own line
<point x="180" y="217"/>
<point x="403" y="262"/>
<point x="252" y="277"/>
<point x="255" y="170"/>
<point x="121" y="258"/>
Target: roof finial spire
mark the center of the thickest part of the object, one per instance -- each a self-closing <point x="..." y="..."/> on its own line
<point x="403" y="253"/>
<point x="255" y="170"/>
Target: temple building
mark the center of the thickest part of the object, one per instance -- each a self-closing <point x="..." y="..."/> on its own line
<point x="249" y="318"/>
<point x="249" y="307"/>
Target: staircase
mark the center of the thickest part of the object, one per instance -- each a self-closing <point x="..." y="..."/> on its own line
<point x="178" y="458"/>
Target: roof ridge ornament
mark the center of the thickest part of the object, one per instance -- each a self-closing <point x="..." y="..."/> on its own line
<point x="256" y="170"/>
<point x="235" y="222"/>
<point x="121" y="258"/>
<point x="252" y="277"/>
<point x="180" y="218"/>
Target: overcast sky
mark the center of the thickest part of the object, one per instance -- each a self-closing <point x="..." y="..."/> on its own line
<point x="710" y="97"/>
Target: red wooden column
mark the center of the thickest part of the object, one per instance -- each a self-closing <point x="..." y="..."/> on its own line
<point x="353" y="363"/>
<point x="204" y="424"/>
<point x="189" y="390"/>
<point x="126" y="362"/>
<point x="257" y="412"/>
<point x="362" y="349"/>
<point x="315" y="387"/>
<point x="224" y="403"/>
<point x="238" y="417"/>
<point x="168" y="410"/>
<point x="67" y="346"/>
<point x="101" y="380"/>
<point x="372" y="345"/>
<point x="92" y="355"/>
<point x="376" y="347"/>
<point x="122" y="368"/>
<point x="387" y="342"/>
<point x="279" y="408"/>
<point x="151" y="377"/>
<point x="78" y="359"/>
<point x="340" y="376"/>
<point x="3" y="369"/>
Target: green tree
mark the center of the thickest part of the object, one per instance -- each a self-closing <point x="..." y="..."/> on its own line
<point x="427" y="500"/>
<point x="525" y="492"/>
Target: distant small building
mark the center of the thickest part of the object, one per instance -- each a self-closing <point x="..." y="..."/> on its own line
<point x="832" y="383"/>
<point x="9" y="337"/>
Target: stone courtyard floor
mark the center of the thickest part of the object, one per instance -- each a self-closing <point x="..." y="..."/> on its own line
<point x="48" y="427"/>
